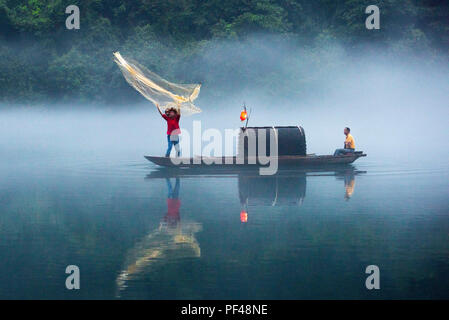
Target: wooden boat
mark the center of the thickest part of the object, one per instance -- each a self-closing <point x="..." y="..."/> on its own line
<point x="230" y="162"/>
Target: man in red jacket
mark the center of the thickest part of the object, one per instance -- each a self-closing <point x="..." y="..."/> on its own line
<point x="172" y="117"/>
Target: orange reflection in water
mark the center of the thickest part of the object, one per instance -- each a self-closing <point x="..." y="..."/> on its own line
<point x="243" y="216"/>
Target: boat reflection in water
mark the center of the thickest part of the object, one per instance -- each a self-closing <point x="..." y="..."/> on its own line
<point x="172" y="240"/>
<point x="276" y="190"/>
<point x="273" y="191"/>
<point x="287" y="188"/>
<point x="176" y="240"/>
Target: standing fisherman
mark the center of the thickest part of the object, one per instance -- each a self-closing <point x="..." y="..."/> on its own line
<point x="172" y="117"/>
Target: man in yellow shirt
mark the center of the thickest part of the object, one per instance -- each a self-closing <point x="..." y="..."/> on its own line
<point x="349" y="144"/>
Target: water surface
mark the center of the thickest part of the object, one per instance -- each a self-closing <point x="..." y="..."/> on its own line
<point x="139" y="232"/>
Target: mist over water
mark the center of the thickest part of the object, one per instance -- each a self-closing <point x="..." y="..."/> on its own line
<point x="75" y="187"/>
<point x="395" y="104"/>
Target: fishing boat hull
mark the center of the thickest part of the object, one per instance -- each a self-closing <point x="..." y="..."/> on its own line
<point x="231" y="162"/>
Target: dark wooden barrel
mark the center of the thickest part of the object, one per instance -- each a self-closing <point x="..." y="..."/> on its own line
<point x="291" y="140"/>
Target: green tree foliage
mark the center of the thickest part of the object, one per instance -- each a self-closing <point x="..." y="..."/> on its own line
<point x="182" y="40"/>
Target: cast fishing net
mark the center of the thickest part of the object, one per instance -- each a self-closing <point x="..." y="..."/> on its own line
<point x="158" y="90"/>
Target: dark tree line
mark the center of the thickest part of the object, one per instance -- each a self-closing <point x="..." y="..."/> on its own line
<point x="40" y="59"/>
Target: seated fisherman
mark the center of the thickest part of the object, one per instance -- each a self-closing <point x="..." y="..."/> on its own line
<point x="349" y="144"/>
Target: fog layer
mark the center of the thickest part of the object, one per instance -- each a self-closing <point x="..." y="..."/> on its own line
<point x="396" y="107"/>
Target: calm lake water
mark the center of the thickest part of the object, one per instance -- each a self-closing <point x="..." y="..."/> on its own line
<point x="139" y="232"/>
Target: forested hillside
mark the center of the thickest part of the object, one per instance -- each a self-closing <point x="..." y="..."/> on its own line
<point x="195" y="41"/>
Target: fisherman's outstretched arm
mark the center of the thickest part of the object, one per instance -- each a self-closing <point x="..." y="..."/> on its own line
<point x="159" y="110"/>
